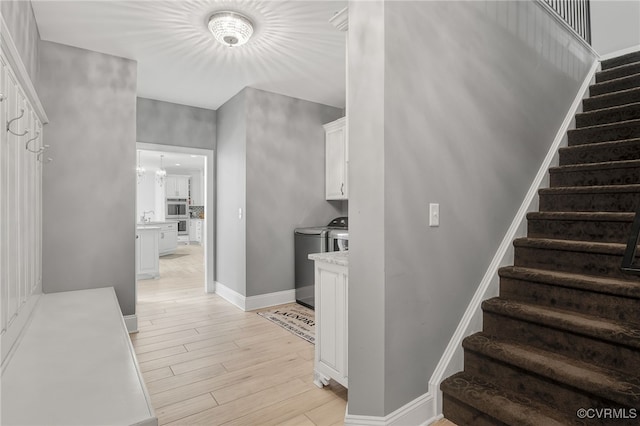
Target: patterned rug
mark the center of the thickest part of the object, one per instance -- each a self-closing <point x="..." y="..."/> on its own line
<point x="295" y="318"/>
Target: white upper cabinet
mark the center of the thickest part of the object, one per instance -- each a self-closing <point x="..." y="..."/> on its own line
<point x="336" y="160"/>
<point x="197" y="189"/>
<point x="177" y="186"/>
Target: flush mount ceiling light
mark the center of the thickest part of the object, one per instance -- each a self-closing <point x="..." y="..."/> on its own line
<point x="230" y="28"/>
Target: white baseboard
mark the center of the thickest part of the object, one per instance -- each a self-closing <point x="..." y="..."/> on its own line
<point x="254" y="302"/>
<point x="620" y="52"/>
<point x="418" y="412"/>
<point x="230" y="295"/>
<point x="453" y="357"/>
<point x="131" y="321"/>
<point x="270" y="299"/>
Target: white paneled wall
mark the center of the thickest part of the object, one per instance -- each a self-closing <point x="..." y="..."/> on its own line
<point x="22" y="157"/>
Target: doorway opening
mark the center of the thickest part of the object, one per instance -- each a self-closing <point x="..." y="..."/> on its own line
<point x="175" y="193"/>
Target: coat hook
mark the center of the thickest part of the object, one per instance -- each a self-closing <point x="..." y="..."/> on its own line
<point x="31" y="140"/>
<point x="14" y="119"/>
<point x="41" y="151"/>
<point x="1" y="97"/>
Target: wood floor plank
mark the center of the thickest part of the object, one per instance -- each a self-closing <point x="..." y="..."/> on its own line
<point x="206" y="362"/>
<point x="253" y="403"/>
<point x="182" y="409"/>
<point x="160" y="373"/>
<point x="328" y="413"/>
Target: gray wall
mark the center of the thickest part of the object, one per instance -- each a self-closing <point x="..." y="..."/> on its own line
<point x="231" y="194"/>
<point x="270" y="163"/>
<point x="285" y="183"/>
<point x="89" y="188"/>
<point x="366" y="40"/>
<point x="166" y="123"/>
<point x="615" y="25"/>
<point x="471" y="106"/>
<point x="21" y="23"/>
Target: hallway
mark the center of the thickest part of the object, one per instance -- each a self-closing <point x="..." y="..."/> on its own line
<point x="206" y="362"/>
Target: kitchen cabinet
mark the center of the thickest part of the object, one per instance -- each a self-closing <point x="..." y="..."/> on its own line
<point x="336" y="160"/>
<point x="147" y="252"/>
<point x="168" y="238"/>
<point x="177" y="186"/>
<point x="331" y="308"/>
<point x="196" y="189"/>
<point x="195" y="230"/>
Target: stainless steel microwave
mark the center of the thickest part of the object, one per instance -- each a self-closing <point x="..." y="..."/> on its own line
<point x="177" y="208"/>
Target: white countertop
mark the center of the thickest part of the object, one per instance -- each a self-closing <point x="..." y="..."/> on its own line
<point x="340" y="258"/>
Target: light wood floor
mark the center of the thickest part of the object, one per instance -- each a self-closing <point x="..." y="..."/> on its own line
<point x="205" y="362"/>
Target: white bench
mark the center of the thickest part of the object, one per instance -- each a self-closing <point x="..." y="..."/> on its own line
<point x="75" y="365"/>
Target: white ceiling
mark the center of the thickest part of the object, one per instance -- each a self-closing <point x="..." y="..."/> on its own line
<point x="173" y="163"/>
<point x="294" y="51"/>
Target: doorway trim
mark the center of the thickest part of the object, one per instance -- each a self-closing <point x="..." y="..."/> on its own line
<point x="209" y="197"/>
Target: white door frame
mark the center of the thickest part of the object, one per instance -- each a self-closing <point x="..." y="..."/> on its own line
<point x="209" y="219"/>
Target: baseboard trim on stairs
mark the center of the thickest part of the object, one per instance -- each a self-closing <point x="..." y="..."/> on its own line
<point x="417" y="412"/>
<point x="452" y="360"/>
<point x="254" y="302"/>
<point x="620" y="52"/>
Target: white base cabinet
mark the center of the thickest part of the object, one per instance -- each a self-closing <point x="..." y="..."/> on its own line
<point x="195" y="231"/>
<point x="147" y="252"/>
<point x="331" y="305"/>
<point x="168" y="238"/>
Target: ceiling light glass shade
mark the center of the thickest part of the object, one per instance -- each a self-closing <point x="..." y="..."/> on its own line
<point x="230" y="28"/>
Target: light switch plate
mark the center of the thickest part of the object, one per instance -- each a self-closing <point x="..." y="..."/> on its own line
<point x="434" y="214"/>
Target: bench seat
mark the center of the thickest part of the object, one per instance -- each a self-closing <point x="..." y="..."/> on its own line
<point x="75" y="365"/>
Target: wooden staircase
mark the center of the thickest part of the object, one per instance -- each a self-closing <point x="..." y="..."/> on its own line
<point x="564" y="334"/>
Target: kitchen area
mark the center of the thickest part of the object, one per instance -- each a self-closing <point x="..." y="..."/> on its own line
<point x="170" y="207"/>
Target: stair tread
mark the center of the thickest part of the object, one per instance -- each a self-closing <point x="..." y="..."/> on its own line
<point x="507" y="407"/>
<point x="632" y="77"/>
<point x="583" y="216"/>
<point x="594" y="98"/>
<point x="606" y="126"/>
<point x="590" y="189"/>
<point x="571" y="245"/>
<point x="616" y="332"/>
<point x="596" y="166"/>
<point x="591" y="283"/>
<point x="608" y="109"/>
<point x="606" y="383"/>
<point x="599" y="145"/>
<point x="608" y="64"/>
<point x="616" y="69"/>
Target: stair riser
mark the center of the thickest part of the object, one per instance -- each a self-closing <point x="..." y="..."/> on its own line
<point x="603" y="265"/>
<point x="513" y="379"/>
<point x="626" y="130"/>
<point x="580" y="230"/>
<point x="589" y="202"/>
<point x="628" y="70"/>
<point x="589" y="154"/>
<point x="611" y="100"/>
<point x="631" y="112"/>
<point x="571" y="299"/>
<point x="609" y="176"/>
<point x="614" y="86"/>
<point x="620" y="60"/>
<point x="584" y="348"/>
<point x="461" y="414"/>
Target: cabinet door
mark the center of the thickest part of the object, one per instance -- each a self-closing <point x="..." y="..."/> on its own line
<point x="171" y="189"/>
<point x="182" y="187"/>
<point x="331" y="317"/>
<point x="147" y="247"/>
<point x="335" y="161"/>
